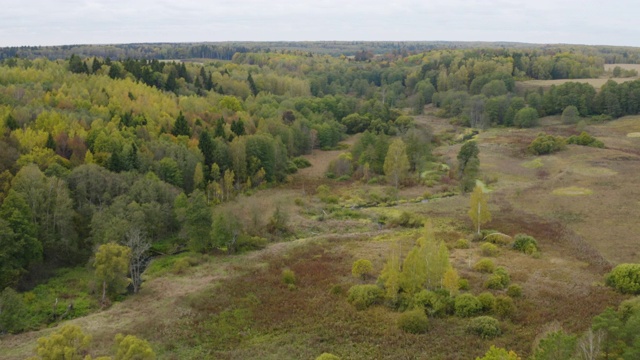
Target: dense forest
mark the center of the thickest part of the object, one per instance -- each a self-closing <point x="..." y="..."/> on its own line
<point x="128" y="145"/>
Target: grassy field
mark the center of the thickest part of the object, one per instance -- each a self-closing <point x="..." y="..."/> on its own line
<point x="580" y="204"/>
<point x="597" y="83"/>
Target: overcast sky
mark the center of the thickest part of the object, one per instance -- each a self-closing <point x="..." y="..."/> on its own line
<point x="60" y="22"/>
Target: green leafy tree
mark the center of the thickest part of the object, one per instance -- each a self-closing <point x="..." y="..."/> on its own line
<point x="570" y="115"/>
<point x="132" y="348"/>
<point x="19" y="246"/>
<point x="396" y="163"/>
<point x="478" y="209"/>
<point x="198" y="222"/>
<point x="496" y="353"/>
<point x="467" y="155"/>
<point x="361" y="268"/>
<point x="555" y="345"/>
<point x="12" y="311"/>
<point x="225" y="231"/>
<point x="68" y="343"/>
<point x="526" y="118"/>
<point x="112" y="266"/>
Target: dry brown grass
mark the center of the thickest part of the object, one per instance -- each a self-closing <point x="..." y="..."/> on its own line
<point x="522" y="86"/>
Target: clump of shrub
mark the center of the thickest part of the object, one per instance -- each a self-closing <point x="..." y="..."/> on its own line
<point x="484" y="265"/>
<point x="484" y="326"/>
<point x="327" y="356"/>
<point x="504" y="307"/>
<point x="324" y="194"/>
<point x="288" y="277"/>
<point x="414" y="322"/>
<point x="547" y="144"/>
<point x="625" y="278"/>
<point x="487" y="300"/>
<point x="499" y="280"/>
<point x="514" y="291"/>
<point x="488" y="249"/>
<point x="408" y="220"/>
<point x="467" y="305"/>
<point x="525" y="243"/>
<point x="301" y="162"/>
<point x="463" y="284"/>
<point x="363" y="296"/>
<point x="462" y="244"/>
<point x="584" y="139"/>
<point x="249" y="243"/>
<point x="362" y="268"/>
<point x="498" y="239"/>
<point x="436" y="303"/>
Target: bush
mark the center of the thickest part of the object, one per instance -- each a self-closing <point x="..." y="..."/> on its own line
<point x="499" y="280"/>
<point x="436" y="303"/>
<point x="514" y="291"/>
<point x="487" y="300"/>
<point x="484" y="326"/>
<point x="463" y="284"/>
<point x="363" y="296"/>
<point x="248" y="243"/>
<point x="361" y="268"/>
<point x="498" y="239"/>
<point x="546" y="144"/>
<point x="585" y="139"/>
<point x="526" y="118"/>
<point x="288" y="277"/>
<point x="484" y="265"/>
<point x="462" y="244"/>
<point x="414" y="322"/>
<point x="301" y="162"/>
<point x="408" y="220"/>
<point x="327" y="356"/>
<point x="488" y="249"/>
<point x="504" y="307"/>
<point x="570" y="115"/>
<point x="525" y="243"/>
<point x="625" y="278"/>
<point x="467" y="305"/>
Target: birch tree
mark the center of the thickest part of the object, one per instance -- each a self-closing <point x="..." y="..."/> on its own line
<point x="479" y="210"/>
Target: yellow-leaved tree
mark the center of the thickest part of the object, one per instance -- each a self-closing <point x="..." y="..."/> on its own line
<point x="479" y="210"/>
<point x="451" y="281"/>
<point x="112" y="266"/>
<point x="396" y="163"/>
<point x="68" y="343"/>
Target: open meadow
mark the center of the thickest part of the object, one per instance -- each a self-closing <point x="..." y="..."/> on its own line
<point x="580" y="204"/>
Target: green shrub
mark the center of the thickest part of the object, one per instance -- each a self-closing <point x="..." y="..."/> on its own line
<point x="526" y="118"/>
<point x="288" y="277"/>
<point x="584" y="139"/>
<point x="514" y="291"/>
<point x="525" y="243"/>
<point x="498" y="239"/>
<point x="408" y="220"/>
<point x="327" y="356"/>
<point x="462" y="244"/>
<point x="484" y="265"/>
<point x="414" y="322"/>
<point x="337" y="290"/>
<point x="488" y="249"/>
<point x="181" y="265"/>
<point x="467" y="305"/>
<point x="363" y="296"/>
<point x="504" y="307"/>
<point x="361" y="268"/>
<point x="248" y="243"/>
<point x="625" y="278"/>
<point x="484" y="326"/>
<point x="546" y="144"/>
<point x="499" y="280"/>
<point x="301" y="162"/>
<point x="629" y="307"/>
<point x="487" y="300"/>
<point x="436" y="303"/>
<point x="463" y="284"/>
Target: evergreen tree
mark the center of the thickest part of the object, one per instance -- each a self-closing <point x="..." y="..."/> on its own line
<point x="181" y="127"/>
<point x="50" y="144"/>
<point x="207" y="147"/>
<point x="219" y="130"/>
<point x="238" y="127"/>
<point x="252" y="85"/>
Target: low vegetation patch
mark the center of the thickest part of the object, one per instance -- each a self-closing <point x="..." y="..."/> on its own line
<point x="363" y="296"/>
<point x="625" y="278"/>
<point x="572" y="191"/>
<point x="414" y="322"/>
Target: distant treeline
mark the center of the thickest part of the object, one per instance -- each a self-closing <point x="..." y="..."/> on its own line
<point x="226" y="50"/>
